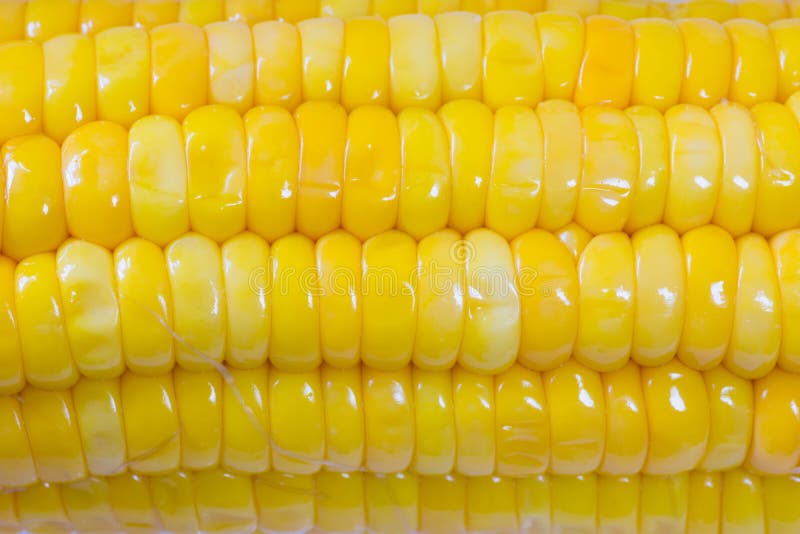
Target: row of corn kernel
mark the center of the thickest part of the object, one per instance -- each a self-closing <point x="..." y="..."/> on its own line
<point x="371" y="171"/>
<point x="42" y="19"/>
<point x="480" y="301"/>
<point x="654" y="420"/>
<point x="219" y="501"/>
<point x="502" y="58"/>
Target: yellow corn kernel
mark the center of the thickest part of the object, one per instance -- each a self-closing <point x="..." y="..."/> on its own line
<point x="787" y="264"/>
<point x="435" y="435"/>
<point x="575" y="393"/>
<point x="245" y="422"/>
<point x="658" y="63"/>
<point x="533" y="503"/>
<point x="660" y="295"/>
<point x="780" y="494"/>
<point x="778" y="189"/>
<point x="626" y="422"/>
<point x="754" y="72"/>
<point x="91" y="312"/>
<point x="513" y="198"/>
<point x="46" y="354"/>
<point x="491" y="338"/>
<point x="474" y="409"/>
<point x="88" y="504"/>
<point x="145" y="307"/>
<point x="618" y="503"/>
<point x="201" y="12"/>
<point x="47" y="18"/>
<point x="284" y="502"/>
<point x="562" y="40"/>
<point x="340" y="506"/>
<point x="215" y="161"/>
<point x="366" y="71"/>
<point x="248" y="305"/>
<point x="199" y="400"/>
<point x="179" y="70"/>
<point x="392" y="502"/>
<point x="549" y="289"/>
<point x="16" y="458"/>
<point x="696" y="165"/>
<point x="677" y="409"/>
<point x="344" y="9"/>
<point x="742" y="502"/>
<point x="372" y="172"/>
<point x="512" y="62"/>
<point x="649" y="194"/>
<point x="787" y="45"/>
<point x="414" y="63"/>
<point x="490" y="505"/>
<point x="272" y="171"/>
<point x="344" y="418"/>
<point x="12" y="20"/>
<point x="705" y="495"/>
<point x="391" y="8"/>
<point x="173" y="497"/>
<point x="22" y="79"/>
<point x="710" y="262"/>
<point x="98" y="412"/>
<point x="12" y="375"/>
<point x="425" y="187"/>
<point x="562" y="141"/>
<point x="762" y="10"/>
<point x="98" y="15"/>
<point x="441" y="503"/>
<point x="293" y="397"/>
<point x="225" y="502"/>
<point x="131" y="502"/>
<point x="123" y="74"/>
<point x="194" y="267"/>
<point x="605" y="304"/>
<point x="278" y="78"/>
<point x="34" y="197"/>
<point x="664" y="503"/>
<point x="469" y="126"/>
<point x="708" y="62"/>
<point x="96" y="192"/>
<point x="440" y="300"/>
<point x="340" y="316"/>
<point x="230" y="64"/>
<point x="151" y="13"/>
<point x="388" y="417"/>
<point x="756" y="336"/>
<point x="322" y="128"/>
<point x="521" y="425"/>
<point x="296" y="10"/>
<point x="461" y="54"/>
<point x="575" y="238"/>
<point x="157" y="178"/>
<point x="730" y="401"/>
<point x="152" y="427"/>
<point x="248" y="11"/>
<point x="607" y="68"/>
<point x="573" y="502"/>
<point x="625" y="9"/>
<point x="52" y="428"/>
<point x="322" y="48"/>
<point x="716" y="10"/>
<point x="775" y="447"/>
<point x="41" y="508"/>
<point x="389" y="307"/>
<point x="69" y="81"/>
<point x="610" y="169"/>
<point x="736" y="203"/>
<point x="294" y="337"/>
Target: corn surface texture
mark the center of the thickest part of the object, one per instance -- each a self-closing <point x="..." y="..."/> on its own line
<point x="220" y="501"/>
<point x="501" y="58"/>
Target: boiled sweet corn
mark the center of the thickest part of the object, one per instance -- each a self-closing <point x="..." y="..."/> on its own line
<point x="370" y="171"/>
<point x="478" y="301"/>
<point x="502" y="58"/>
<point x="660" y="420"/>
<point x="221" y="501"/>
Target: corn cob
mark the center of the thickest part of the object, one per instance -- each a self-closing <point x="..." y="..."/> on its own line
<point x="502" y="58"/>
<point x="663" y="421"/>
<point x="42" y="19"/>
<point x="217" y="501"/>
<point x="371" y="171"/>
<point x="480" y="301"/>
